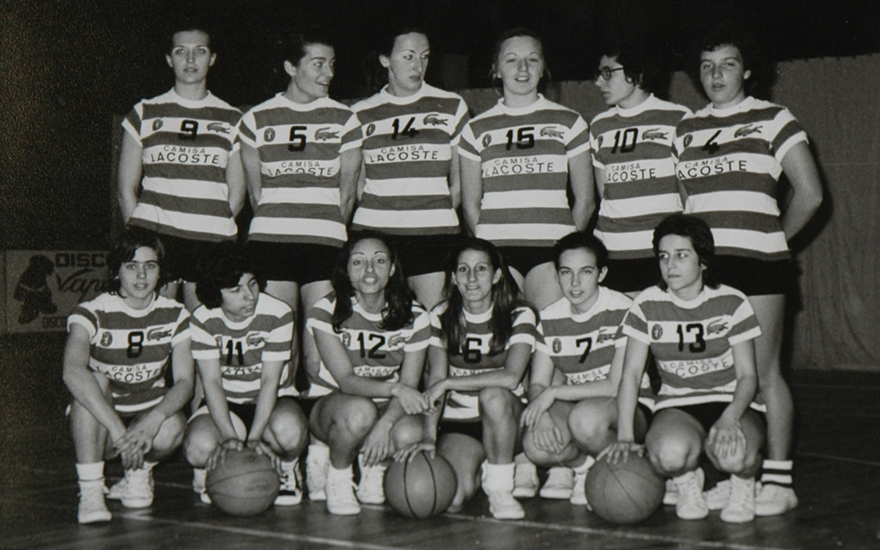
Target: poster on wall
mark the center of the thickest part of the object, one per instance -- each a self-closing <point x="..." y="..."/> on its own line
<point x="43" y="286"/>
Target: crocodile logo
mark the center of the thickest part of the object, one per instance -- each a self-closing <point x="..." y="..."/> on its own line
<point x="747" y="130"/>
<point x="716" y="327"/>
<point x="218" y="127"/>
<point x="551" y="132"/>
<point x="158" y="334"/>
<point x="654" y="133"/>
<point x="255" y="340"/>
<point x="324" y="134"/>
<point x="434" y="120"/>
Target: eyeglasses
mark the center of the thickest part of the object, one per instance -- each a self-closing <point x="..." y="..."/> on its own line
<point x="606" y="73"/>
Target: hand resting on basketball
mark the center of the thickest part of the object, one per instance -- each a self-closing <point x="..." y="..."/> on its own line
<point x="409" y="452"/>
<point x="619" y="451"/>
<point x="218" y="457"/>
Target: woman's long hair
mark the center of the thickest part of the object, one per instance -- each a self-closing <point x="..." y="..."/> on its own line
<point x="505" y="299"/>
<point x="397" y="312"/>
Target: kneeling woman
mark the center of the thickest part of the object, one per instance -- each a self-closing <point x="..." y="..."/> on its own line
<point x="241" y="343"/>
<point x="702" y="336"/>
<point x="482" y="338"/>
<point x="372" y="337"/>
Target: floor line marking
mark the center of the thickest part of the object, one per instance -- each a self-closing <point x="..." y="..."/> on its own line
<point x="687" y="543"/>
<point x="839" y="459"/>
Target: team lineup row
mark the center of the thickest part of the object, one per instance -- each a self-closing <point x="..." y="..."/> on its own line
<point x="404" y="161"/>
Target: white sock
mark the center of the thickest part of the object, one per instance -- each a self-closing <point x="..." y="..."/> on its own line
<point x="498" y="477"/>
<point x="319" y="451"/>
<point x="200" y="476"/>
<point x="585" y="466"/>
<point x="340" y="473"/>
<point x="90" y="472"/>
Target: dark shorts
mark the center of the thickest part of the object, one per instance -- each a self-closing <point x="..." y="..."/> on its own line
<point x="709" y="413"/>
<point x="244" y="411"/>
<point x="646" y="410"/>
<point x="294" y="262"/>
<point x="526" y="258"/>
<point x="632" y="275"/>
<point x="185" y="258"/>
<point x="422" y="254"/>
<point x="756" y="277"/>
<point x="473" y="429"/>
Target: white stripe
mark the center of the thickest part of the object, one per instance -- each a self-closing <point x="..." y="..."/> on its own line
<point x="430" y="152"/>
<point x="636" y="206"/>
<point x="506" y="200"/>
<point x="139" y="406"/>
<point x="404" y="187"/>
<point x="300" y="195"/>
<point x="641" y="170"/>
<point x="754" y="163"/>
<point x="326" y="168"/>
<point x="197" y="223"/>
<point x="188" y="188"/>
<point x="523" y="231"/>
<point x="733" y="201"/>
<point x="634" y="240"/>
<point x="298" y="226"/>
<point x="752" y="240"/>
<point x="559" y="163"/>
<point x="406" y="218"/>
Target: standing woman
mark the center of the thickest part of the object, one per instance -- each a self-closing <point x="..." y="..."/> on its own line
<point x="518" y="159"/>
<point x="180" y="172"/>
<point x="730" y="157"/>
<point x="409" y="187"/>
<point x="301" y="154"/>
<point x="481" y="340"/>
<point x="372" y="337"/>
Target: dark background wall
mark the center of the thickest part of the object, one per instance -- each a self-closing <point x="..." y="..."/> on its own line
<point x="67" y="67"/>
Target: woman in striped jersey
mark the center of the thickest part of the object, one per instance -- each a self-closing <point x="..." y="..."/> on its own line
<point x="180" y="172"/>
<point x="702" y="337"/>
<point x="372" y="336"/>
<point x="481" y="341"/>
<point x="575" y="371"/>
<point x="118" y="349"/>
<point x="634" y="163"/>
<point x="241" y="341"/>
<point x="301" y="154"/>
<point x="730" y="157"/>
<point x="409" y="185"/>
<point x="517" y="161"/>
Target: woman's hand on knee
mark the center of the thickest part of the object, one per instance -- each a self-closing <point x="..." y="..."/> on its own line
<point x="726" y="438"/>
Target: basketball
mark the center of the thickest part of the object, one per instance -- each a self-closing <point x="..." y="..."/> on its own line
<point x="422" y="487"/>
<point x="245" y="484"/>
<point x="626" y="492"/>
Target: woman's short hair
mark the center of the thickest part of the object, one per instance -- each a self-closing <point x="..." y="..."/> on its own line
<point x="698" y="232"/>
<point x="224" y="270"/>
<point x="129" y="242"/>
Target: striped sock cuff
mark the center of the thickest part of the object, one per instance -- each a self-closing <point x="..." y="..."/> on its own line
<point x="777" y="472"/>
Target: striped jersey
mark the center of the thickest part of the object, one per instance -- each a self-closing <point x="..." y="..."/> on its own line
<point x="634" y="148"/>
<point x="407" y="153"/>
<point x="242" y="347"/>
<point x="524" y="157"/>
<point x="729" y="162"/>
<point x="374" y="352"/>
<point x="299" y="147"/>
<point x="475" y="357"/>
<point x="132" y="347"/>
<point x="185" y="148"/>
<point x="691" y="341"/>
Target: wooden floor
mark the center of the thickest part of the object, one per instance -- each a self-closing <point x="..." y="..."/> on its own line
<point x="837" y="480"/>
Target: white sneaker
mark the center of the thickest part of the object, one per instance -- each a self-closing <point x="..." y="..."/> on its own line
<point x="525" y="480"/>
<point x="370" y="490"/>
<point x="92" y="507"/>
<point x="340" y="495"/>
<point x="718" y="496"/>
<point x="317" y="464"/>
<point x="772" y="500"/>
<point x="290" y="493"/>
<point x="199" y="484"/>
<point x="559" y="484"/>
<point x="691" y="502"/>
<point x="135" y="490"/>
<point x="579" y="489"/>
<point x="741" y="506"/>
<point x="670" y="497"/>
<point x="502" y="505"/>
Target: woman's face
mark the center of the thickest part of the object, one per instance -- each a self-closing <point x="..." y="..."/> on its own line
<point x="139" y="276"/>
<point x="475" y="277"/>
<point x="579" y="278"/>
<point x="617" y="89"/>
<point x="240" y="301"/>
<point x="723" y="76"/>
<point x="190" y="56"/>
<point x="520" y="65"/>
<point x="680" y="266"/>
<point x="407" y="63"/>
<point x="311" y="76"/>
<point x="369" y="267"/>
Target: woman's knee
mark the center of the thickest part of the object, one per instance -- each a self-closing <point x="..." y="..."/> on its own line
<point x="495" y="403"/>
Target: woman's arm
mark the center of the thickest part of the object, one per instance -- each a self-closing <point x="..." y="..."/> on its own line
<point x="580" y="173"/>
<point x="215" y="397"/>
<point x="237" y="189"/>
<point x="726" y="436"/>
<point x="266" y="399"/>
<point x="471" y="192"/>
<point x="250" y="160"/>
<point x="509" y="376"/>
<point x="634" y="362"/>
<point x="455" y="178"/>
<point x="800" y="169"/>
<point x="349" y="170"/>
<point x="130" y="172"/>
<point x="600" y="388"/>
